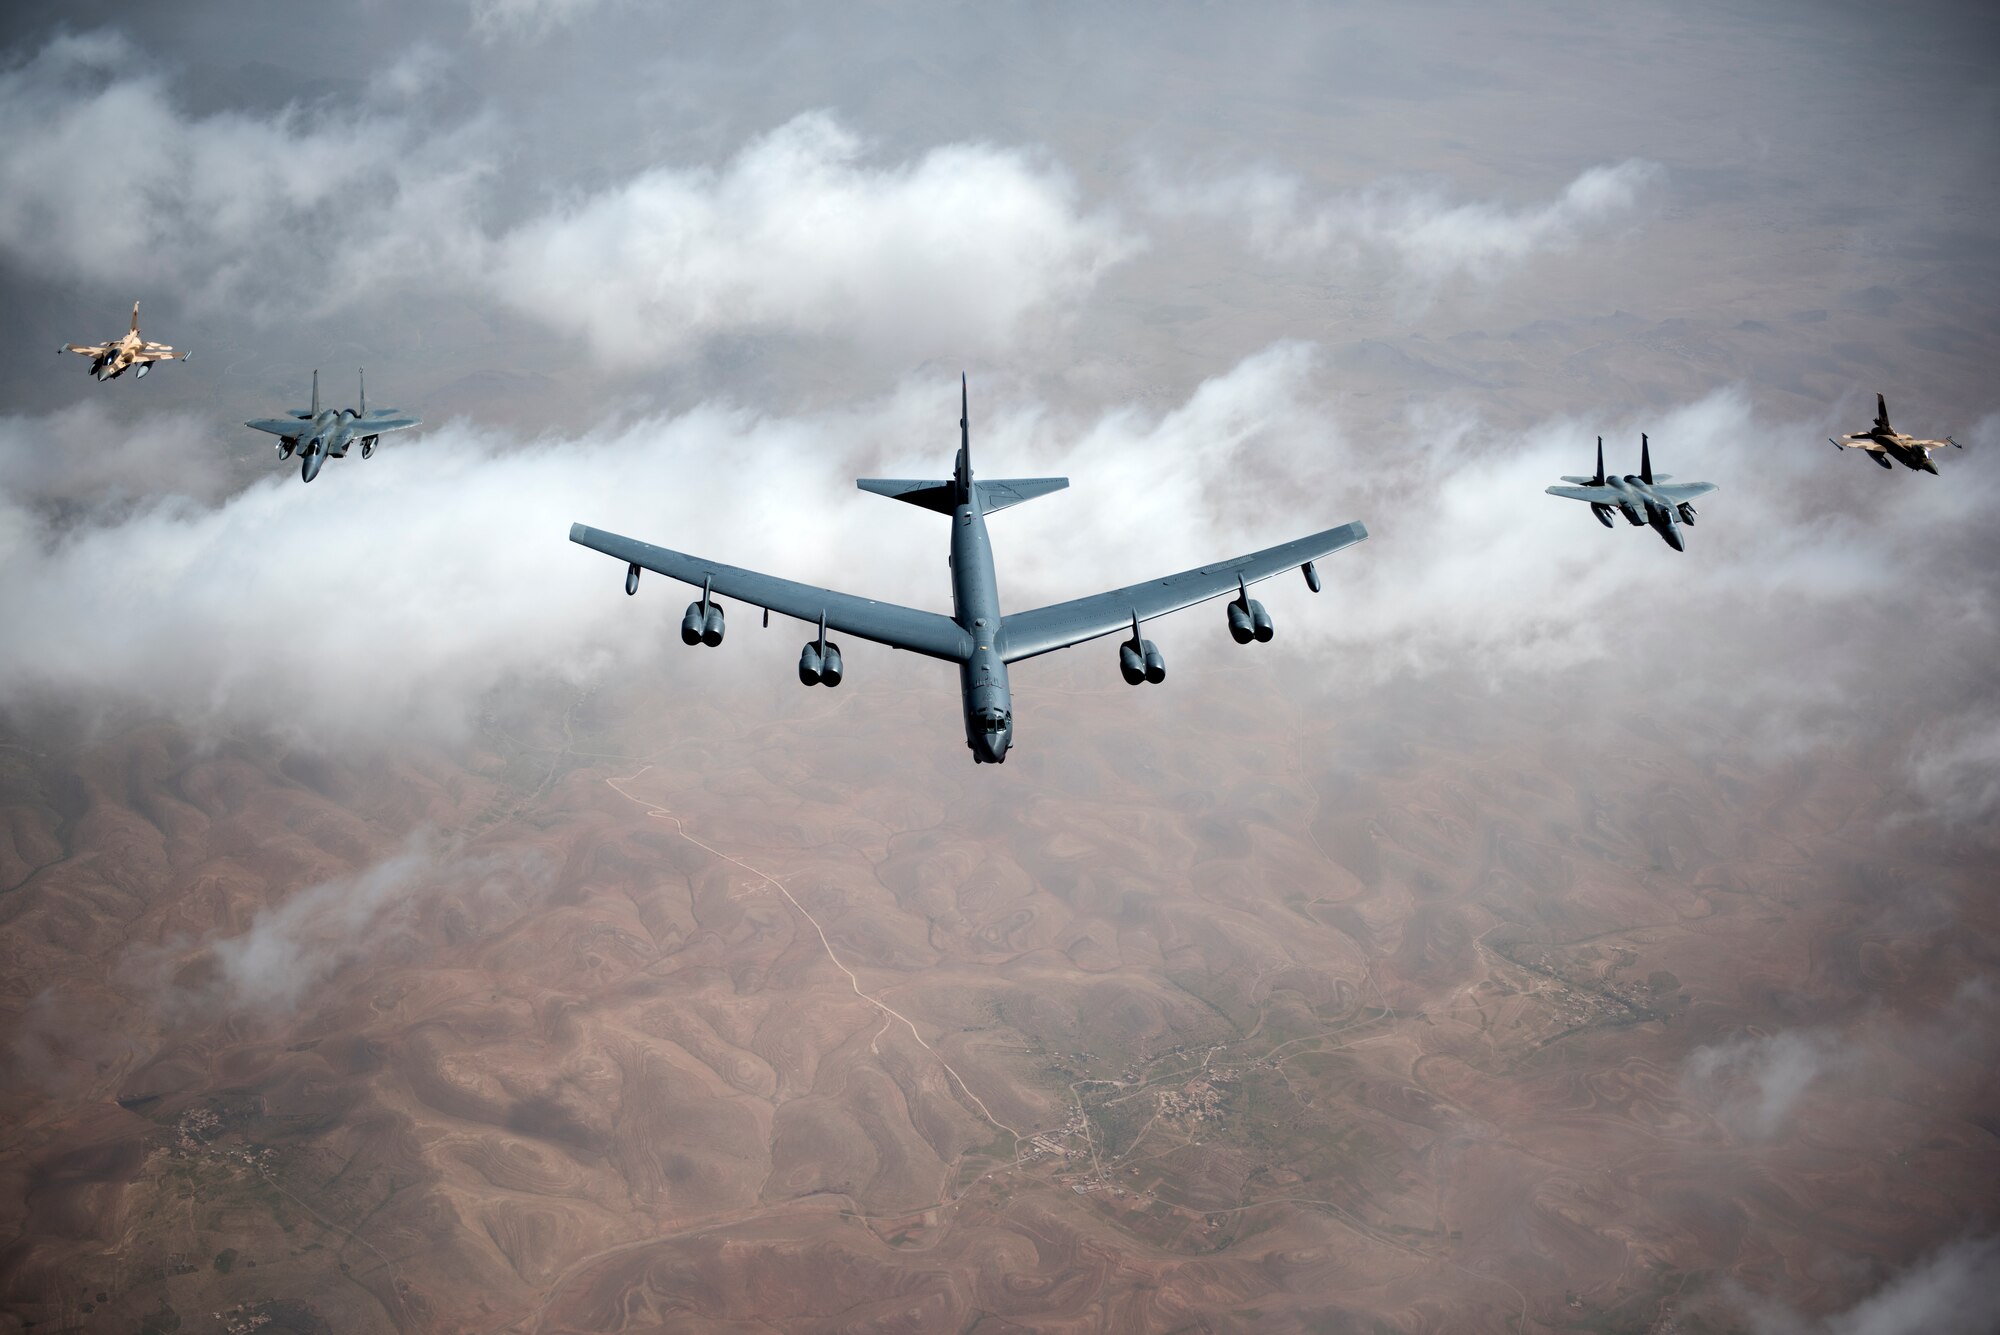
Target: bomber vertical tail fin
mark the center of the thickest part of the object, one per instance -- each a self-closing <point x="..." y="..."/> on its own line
<point x="962" y="470"/>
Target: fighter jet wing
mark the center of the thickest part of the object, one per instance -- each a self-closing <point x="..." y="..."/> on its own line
<point x="1683" y="491"/>
<point x="1595" y="495"/>
<point x="885" y="623"/>
<point x="1026" y="634"/>
<point x="87" y="349"/>
<point x="384" y="419"/>
<point x="278" y="426"/>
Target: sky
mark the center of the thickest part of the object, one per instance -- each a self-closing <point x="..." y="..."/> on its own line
<point x="684" y="272"/>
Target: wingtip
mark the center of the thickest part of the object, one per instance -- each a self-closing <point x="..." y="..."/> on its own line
<point x="1360" y="530"/>
<point x="577" y="532"/>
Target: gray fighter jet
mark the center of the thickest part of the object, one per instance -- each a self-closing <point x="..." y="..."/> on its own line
<point x="977" y="637"/>
<point x="1884" y="442"/>
<point x="319" y="434"/>
<point x="1641" y="499"/>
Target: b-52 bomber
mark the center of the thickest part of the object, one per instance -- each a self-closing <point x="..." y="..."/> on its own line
<point x="1641" y="499"/>
<point x="1883" y="443"/>
<point x="978" y="637"/>
<point x="110" y="360"/>
<point x="319" y="434"/>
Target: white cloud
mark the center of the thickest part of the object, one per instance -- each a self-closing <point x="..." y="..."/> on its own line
<point x="1953" y="1291"/>
<point x="1427" y="236"/>
<point x="493" y="20"/>
<point x="104" y="179"/>
<point x="394" y="593"/>
<point x="1753" y="1084"/>
<point x="798" y="233"/>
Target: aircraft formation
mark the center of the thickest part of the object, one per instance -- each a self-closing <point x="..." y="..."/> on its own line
<point x="981" y="639"/>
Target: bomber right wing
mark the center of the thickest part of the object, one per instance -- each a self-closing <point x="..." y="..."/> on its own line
<point x="885" y="623"/>
<point x="1026" y="634"/>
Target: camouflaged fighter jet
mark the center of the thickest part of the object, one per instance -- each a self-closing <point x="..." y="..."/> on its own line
<point x="321" y="434"/>
<point x="977" y="637"/>
<point x="1641" y="499"/>
<point x="110" y="360"/>
<point x="1884" y="442"/>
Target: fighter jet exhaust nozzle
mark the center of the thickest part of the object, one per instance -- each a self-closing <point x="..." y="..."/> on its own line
<point x="1603" y="513"/>
<point x="809" y="665"/>
<point x="1687" y="512"/>
<point x="631" y="580"/>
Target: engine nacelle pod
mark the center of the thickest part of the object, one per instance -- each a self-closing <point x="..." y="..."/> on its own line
<point x="692" y="624"/>
<point x="712" y="626"/>
<point x="1156" y="664"/>
<point x="1687" y="513"/>
<point x="1240" y="628"/>
<point x="1603" y="513"/>
<point x="1260" y="623"/>
<point x="830" y="668"/>
<point x="1131" y="665"/>
<point x="809" y="665"/>
<point x="631" y="580"/>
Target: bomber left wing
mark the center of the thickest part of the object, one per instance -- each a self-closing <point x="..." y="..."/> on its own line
<point x="898" y="627"/>
<point x="1026" y="634"/>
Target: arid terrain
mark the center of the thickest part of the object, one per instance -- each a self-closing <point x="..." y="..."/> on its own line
<point x="1206" y="1013"/>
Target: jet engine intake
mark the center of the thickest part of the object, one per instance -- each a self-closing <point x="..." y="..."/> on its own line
<point x="712" y="626"/>
<point x="1131" y="665"/>
<point x="830" y="668"/>
<point x="1156" y="663"/>
<point x="1240" y="628"/>
<point x="692" y="624"/>
<point x="1603" y="513"/>
<point x="631" y="580"/>
<point x="1260" y="624"/>
<point x="809" y="664"/>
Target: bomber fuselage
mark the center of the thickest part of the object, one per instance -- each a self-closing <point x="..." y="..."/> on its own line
<point x="975" y="598"/>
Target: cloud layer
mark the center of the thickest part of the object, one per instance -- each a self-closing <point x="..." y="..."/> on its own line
<point x="1418" y="230"/>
